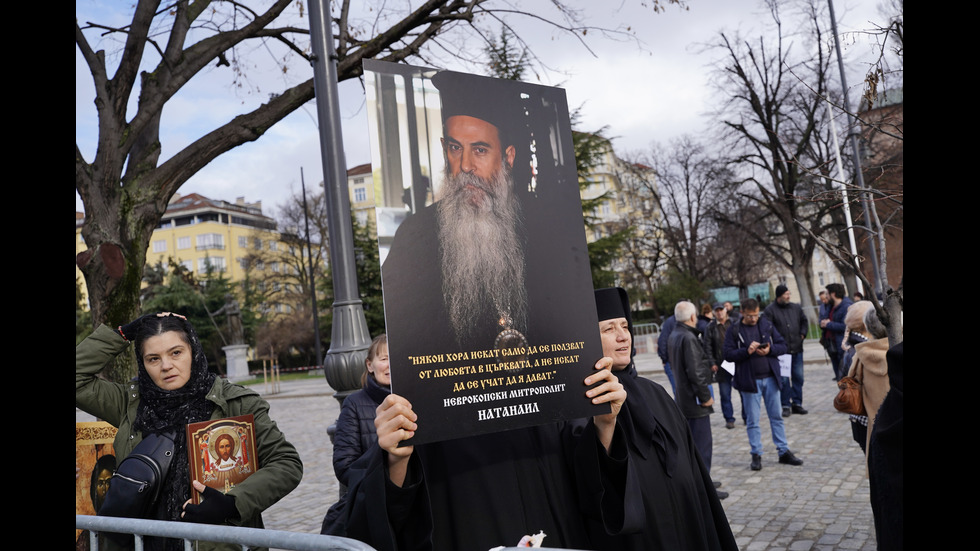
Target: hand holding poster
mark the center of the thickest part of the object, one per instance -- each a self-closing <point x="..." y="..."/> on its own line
<point x="489" y="308"/>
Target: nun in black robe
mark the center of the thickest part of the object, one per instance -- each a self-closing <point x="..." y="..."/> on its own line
<point x="491" y="490"/>
<point x="681" y="509"/>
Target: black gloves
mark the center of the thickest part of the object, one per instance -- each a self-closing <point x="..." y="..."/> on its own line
<point x="215" y="508"/>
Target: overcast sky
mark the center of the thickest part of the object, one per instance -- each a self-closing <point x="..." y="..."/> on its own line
<point x="654" y="91"/>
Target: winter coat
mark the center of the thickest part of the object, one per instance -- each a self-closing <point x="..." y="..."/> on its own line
<point x="713" y="341"/>
<point x="870" y="368"/>
<point x="736" y="350"/>
<point x="665" y="331"/>
<point x="355" y="432"/>
<point x="692" y="371"/>
<point x="836" y="325"/>
<point x="791" y="323"/>
<point x="280" y="468"/>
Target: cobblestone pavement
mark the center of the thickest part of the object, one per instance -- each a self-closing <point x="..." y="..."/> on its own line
<point x="822" y="505"/>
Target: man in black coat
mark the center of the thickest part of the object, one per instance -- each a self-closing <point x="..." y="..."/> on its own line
<point x="692" y="370"/>
<point x="714" y="342"/>
<point x="791" y="322"/>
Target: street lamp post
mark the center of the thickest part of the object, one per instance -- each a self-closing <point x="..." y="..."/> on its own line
<point x="349" y="337"/>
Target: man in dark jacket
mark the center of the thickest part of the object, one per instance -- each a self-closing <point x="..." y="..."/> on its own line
<point x="692" y="371"/>
<point x="665" y="331"/>
<point x="713" y="340"/>
<point x="791" y="322"/>
<point x="754" y="344"/>
<point x="835" y="324"/>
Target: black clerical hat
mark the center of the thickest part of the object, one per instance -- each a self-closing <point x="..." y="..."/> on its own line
<point x="496" y="101"/>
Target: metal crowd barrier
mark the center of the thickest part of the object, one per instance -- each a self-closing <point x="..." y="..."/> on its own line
<point x="246" y="537"/>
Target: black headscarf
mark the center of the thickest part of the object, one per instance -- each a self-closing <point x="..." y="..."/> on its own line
<point x="646" y="432"/>
<point x="162" y="411"/>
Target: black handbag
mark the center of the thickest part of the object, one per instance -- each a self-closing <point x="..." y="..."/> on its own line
<point x="136" y="484"/>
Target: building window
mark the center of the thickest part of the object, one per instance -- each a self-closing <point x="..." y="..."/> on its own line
<point x="273" y="246"/>
<point x="360" y="194"/>
<point x="187" y="265"/>
<point x="207" y="241"/>
<point x="820" y="278"/>
<point x="216" y="263"/>
<point x="243" y="263"/>
<point x="183" y="243"/>
<point x="275" y="267"/>
<point x="160" y="246"/>
<point x="257" y="243"/>
<point x="242" y="241"/>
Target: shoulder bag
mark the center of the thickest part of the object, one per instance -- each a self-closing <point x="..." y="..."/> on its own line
<point x="848" y="399"/>
<point x="135" y="486"/>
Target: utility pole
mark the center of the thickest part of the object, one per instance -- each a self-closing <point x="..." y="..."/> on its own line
<point x="853" y="129"/>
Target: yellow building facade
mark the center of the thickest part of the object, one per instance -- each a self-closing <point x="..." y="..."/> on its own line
<point x="198" y="232"/>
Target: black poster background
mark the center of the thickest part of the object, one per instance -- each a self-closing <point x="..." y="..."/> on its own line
<point x="461" y="389"/>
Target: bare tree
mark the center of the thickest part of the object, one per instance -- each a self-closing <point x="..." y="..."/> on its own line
<point x="126" y="185"/>
<point x="773" y="124"/>
<point x="678" y="188"/>
<point x="691" y="183"/>
<point x="645" y="246"/>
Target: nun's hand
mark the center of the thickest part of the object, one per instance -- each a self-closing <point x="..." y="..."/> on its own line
<point x="395" y="421"/>
<point x="607" y="390"/>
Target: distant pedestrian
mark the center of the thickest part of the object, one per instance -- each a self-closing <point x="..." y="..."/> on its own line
<point x="791" y="322"/>
<point x="713" y="340"/>
<point x="864" y="357"/>
<point x="665" y="331"/>
<point x="733" y="314"/>
<point x="825" y="339"/>
<point x="692" y="368"/>
<point x="754" y="345"/>
<point x="705" y="317"/>
<point x="840" y="302"/>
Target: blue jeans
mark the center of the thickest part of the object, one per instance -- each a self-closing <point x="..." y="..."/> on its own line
<point x="670" y="377"/>
<point x="768" y="390"/>
<point x="792" y="388"/>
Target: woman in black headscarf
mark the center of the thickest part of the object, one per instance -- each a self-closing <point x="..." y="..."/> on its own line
<point x="173" y="388"/>
<point x="681" y="505"/>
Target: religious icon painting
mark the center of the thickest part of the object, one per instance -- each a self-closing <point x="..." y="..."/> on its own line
<point x="222" y="452"/>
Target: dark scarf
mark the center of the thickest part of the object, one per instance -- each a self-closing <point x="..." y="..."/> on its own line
<point x="161" y="411"/>
<point x="376" y="392"/>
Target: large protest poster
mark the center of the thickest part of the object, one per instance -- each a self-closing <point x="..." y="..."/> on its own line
<point x="488" y="293"/>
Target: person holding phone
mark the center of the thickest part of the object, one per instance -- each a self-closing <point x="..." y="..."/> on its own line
<point x="754" y="345"/>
